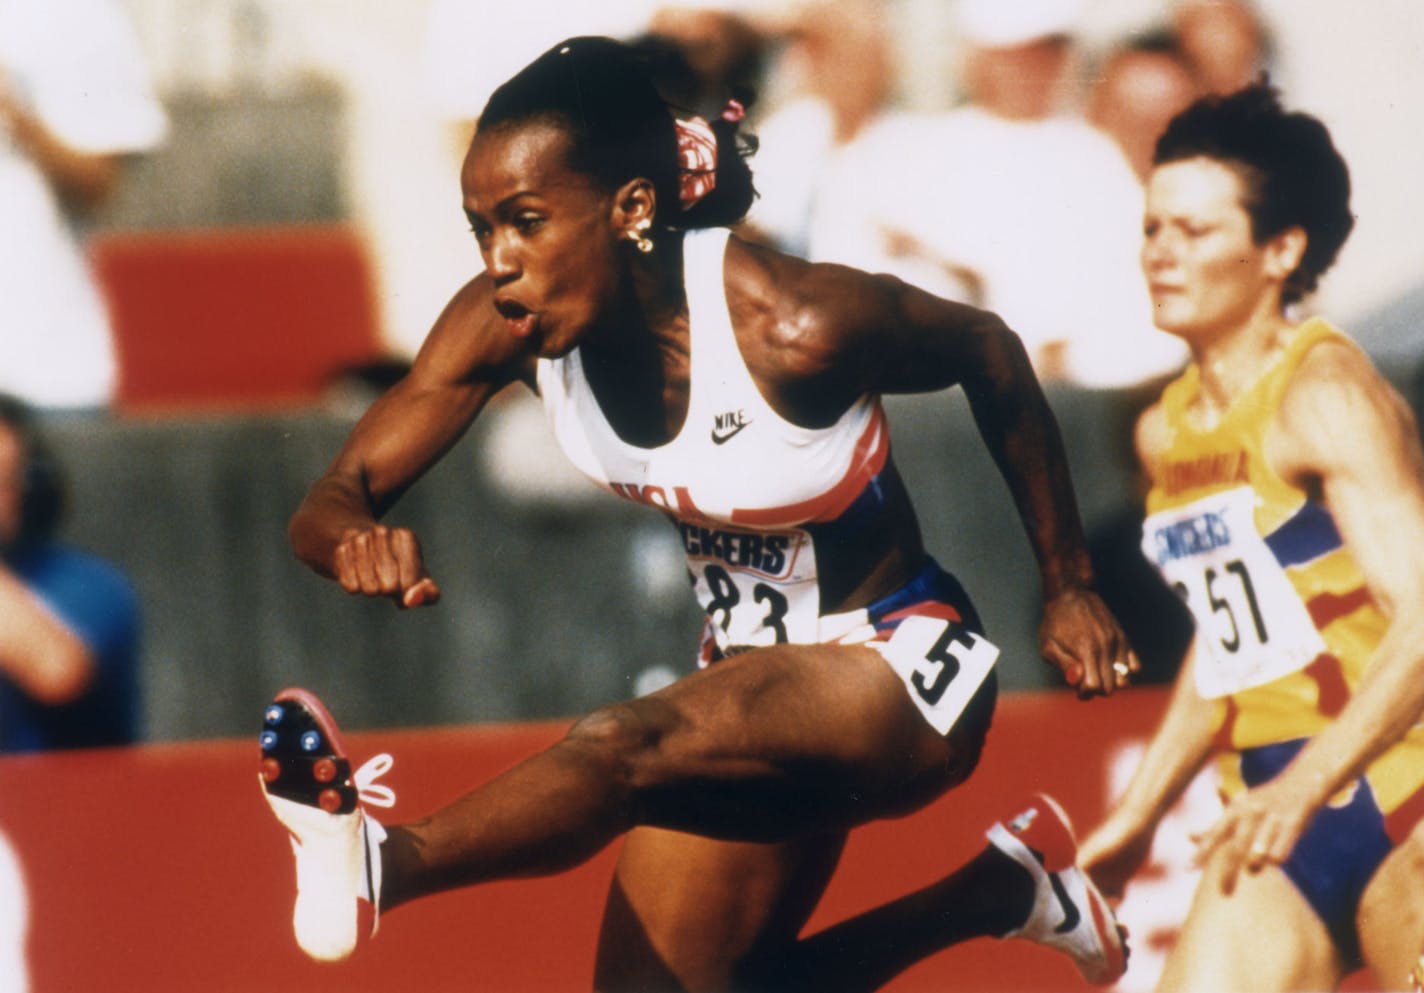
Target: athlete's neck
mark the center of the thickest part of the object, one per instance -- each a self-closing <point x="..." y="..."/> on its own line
<point x="1232" y="363"/>
<point x="638" y="362"/>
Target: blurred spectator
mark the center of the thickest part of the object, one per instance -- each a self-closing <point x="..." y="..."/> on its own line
<point x="1225" y="41"/>
<point x="1037" y="205"/>
<point x="833" y="157"/>
<point x="706" y="55"/>
<point x="1139" y="87"/>
<point x="74" y="100"/>
<point x="69" y="621"/>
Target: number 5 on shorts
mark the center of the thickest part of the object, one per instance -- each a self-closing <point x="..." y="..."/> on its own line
<point x="941" y="664"/>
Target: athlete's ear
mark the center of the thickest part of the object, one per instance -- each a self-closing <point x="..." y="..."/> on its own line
<point x="1284" y="252"/>
<point x="634" y="207"/>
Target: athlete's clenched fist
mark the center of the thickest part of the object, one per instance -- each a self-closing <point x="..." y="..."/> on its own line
<point x="384" y="561"/>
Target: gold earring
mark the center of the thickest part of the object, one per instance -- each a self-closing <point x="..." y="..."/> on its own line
<point x="638" y="235"/>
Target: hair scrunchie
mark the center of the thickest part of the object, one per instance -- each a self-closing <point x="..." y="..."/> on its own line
<point x="696" y="160"/>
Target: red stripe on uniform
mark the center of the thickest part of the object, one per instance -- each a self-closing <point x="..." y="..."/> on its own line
<point x="1327" y="607"/>
<point x="929" y="608"/>
<point x="871" y="452"/>
<point x="1332" y="692"/>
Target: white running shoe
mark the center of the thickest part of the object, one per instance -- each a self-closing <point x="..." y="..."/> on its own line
<point x="1069" y="914"/>
<point x="309" y="786"/>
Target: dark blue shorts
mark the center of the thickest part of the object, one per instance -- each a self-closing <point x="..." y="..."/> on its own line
<point x="1338" y="854"/>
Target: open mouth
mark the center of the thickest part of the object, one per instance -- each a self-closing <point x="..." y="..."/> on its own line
<point x="519" y="317"/>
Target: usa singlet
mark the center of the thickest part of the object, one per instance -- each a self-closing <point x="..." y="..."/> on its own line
<point x="746" y="488"/>
<point x="1285" y="623"/>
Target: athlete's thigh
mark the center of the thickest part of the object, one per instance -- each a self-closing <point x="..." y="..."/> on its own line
<point x="684" y="910"/>
<point x="1391" y="916"/>
<point x="778" y="740"/>
<point x="1264" y="936"/>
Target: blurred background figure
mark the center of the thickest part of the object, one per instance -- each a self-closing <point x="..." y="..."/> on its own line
<point x="704" y="54"/>
<point x="1140" y="85"/>
<point x="1032" y="208"/>
<point x="74" y="102"/>
<point x="833" y="141"/>
<point x="1225" y="42"/>
<point x="69" y="621"/>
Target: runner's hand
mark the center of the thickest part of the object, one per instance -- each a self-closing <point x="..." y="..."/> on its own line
<point x="1258" y="828"/>
<point x="1081" y="637"/>
<point x="386" y="562"/>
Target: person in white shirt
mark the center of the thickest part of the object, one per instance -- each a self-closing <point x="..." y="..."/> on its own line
<point x="1037" y="205"/>
<point x="74" y="101"/>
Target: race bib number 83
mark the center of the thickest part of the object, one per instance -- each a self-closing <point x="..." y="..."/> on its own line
<point x="942" y="663"/>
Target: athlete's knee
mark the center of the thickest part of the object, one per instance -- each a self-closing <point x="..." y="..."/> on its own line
<point x="626" y="737"/>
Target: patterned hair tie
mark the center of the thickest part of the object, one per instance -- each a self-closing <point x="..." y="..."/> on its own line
<point x="696" y="160"/>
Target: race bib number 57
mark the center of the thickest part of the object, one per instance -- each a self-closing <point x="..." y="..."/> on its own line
<point x="1252" y="627"/>
<point x="942" y="663"/>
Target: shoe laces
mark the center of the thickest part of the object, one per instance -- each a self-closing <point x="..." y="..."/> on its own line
<point x="371" y="792"/>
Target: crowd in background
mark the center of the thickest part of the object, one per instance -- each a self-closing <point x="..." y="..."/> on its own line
<point x="850" y="83"/>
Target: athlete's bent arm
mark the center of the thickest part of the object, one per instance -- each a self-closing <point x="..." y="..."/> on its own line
<point x="336" y="530"/>
<point x="1344" y="434"/>
<point x="1183" y="742"/>
<point x="890" y="337"/>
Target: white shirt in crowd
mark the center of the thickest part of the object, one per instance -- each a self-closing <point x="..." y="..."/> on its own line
<point x="76" y="65"/>
<point x="1038" y="221"/>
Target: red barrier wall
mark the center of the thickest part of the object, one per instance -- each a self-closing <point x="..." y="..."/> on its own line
<point x="160" y="870"/>
<point x="237" y="318"/>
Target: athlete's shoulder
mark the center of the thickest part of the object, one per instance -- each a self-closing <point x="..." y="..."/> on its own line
<point x="1332" y="377"/>
<point x="1335" y="401"/>
<point x="815" y="310"/>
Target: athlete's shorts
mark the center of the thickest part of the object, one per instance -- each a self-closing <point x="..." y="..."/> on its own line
<point x="942" y="655"/>
<point x="1339" y="852"/>
<point x="931" y="592"/>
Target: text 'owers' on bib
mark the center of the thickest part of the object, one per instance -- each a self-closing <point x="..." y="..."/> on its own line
<point x="1252" y="627"/>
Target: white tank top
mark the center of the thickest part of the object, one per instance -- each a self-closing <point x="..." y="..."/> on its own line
<point x="740" y="481"/>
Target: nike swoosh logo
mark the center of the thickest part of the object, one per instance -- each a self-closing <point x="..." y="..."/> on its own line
<point x="1071" y="916"/>
<point x="722" y="439"/>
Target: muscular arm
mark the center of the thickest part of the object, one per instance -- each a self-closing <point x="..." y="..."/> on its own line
<point x="1345" y="434"/>
<point x="466" y="359"/>
<point x="1182" y="743"/>
<point x="847" y="333"/>
<point x="1116" y="849"/>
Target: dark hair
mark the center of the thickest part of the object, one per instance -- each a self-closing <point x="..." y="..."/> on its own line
<point x="43" y="498"/>
<point x="1290" y="171"/>
<point x="601" y="92"/>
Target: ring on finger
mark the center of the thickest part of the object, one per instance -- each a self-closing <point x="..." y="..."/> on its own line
<point x="1121" y="668"/>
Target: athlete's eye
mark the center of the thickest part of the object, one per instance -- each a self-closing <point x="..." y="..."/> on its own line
<point x="528" y="223"/>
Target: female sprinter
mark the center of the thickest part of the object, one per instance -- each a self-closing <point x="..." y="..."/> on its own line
<point x="734" y="390"/>
<point x="1287" y="508"/>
